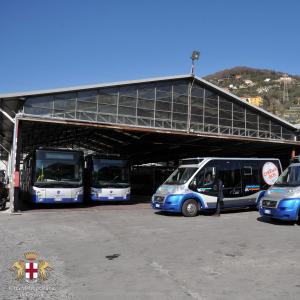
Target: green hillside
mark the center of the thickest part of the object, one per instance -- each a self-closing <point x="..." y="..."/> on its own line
<point x="269" y="85"/>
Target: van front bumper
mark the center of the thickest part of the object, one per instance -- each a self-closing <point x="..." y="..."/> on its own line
<point x="287" y="209"/>
<point x="171" y="203"/>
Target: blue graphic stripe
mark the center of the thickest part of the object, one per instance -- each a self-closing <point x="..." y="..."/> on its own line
<point x="95" y="198"/>
<point x="52" y="200"/>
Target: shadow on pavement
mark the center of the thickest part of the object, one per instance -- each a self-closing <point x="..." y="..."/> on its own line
<point x="135" y="200"/>
<point x="168" y="214"/>
<point x="208" y="213"/>
<point x="275" y="221"/>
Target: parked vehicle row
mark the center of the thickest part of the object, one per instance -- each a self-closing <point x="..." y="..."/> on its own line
<point x="247" y="182"/>
<point x="60" y="176"/>
<point x="66" y="176"/>
<point x="191" y="187"/>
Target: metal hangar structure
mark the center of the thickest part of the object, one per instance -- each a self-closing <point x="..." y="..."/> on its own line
<point x="157" y="119"/>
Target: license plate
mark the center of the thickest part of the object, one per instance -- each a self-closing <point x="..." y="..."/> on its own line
<point x="57" y="199"/>
<point x="267" y="211"/>
<point x="110" y="197"/>
<point x="157" y="205"/>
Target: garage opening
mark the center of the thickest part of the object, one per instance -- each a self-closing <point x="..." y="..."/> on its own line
<point x="152" y="154"/>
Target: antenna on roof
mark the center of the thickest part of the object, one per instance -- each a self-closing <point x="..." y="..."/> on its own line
<point x="195" y="56"/>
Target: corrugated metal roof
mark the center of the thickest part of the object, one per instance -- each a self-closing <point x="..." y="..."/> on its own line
<point x="91" y="86"/>
<point x="147" y="80"/>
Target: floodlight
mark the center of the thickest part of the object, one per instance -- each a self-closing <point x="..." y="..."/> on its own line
<point x="195" y="55"/>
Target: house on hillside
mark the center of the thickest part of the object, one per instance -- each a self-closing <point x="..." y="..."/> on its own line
<point x="257" y="101"/>
<point x="249" y="82"/>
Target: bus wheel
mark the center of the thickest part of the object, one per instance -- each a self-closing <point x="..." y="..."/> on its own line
<point x="190" y="208"/>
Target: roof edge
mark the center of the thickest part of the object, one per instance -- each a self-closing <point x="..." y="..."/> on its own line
<point x="91" y="86"/>
<point x="147" y="80"/>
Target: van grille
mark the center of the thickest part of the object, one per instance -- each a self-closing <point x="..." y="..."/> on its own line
<point x="269" y="203"/>
<point x="159" y="199"/>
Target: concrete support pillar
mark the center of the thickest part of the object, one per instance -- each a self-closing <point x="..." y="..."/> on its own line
<point x="15" y="181"/>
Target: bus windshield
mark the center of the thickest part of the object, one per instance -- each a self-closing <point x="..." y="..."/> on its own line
<point x="110" y="173"/>
<point x="181" y="175"/>
<point x="58" y="168"/>
<point x="290" y="177"/>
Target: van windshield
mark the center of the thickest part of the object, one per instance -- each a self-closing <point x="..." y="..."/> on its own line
<point x="181" y="175"/>
<point x="290" y="177"/>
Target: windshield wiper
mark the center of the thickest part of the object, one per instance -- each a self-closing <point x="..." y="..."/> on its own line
<point x="58" y="184"/>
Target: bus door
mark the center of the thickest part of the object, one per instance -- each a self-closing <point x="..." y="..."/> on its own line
<point x="230" y="173"/>
<point x="251" y="182"/>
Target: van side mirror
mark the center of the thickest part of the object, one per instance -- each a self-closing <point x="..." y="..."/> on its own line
<point x="193" y="185"/>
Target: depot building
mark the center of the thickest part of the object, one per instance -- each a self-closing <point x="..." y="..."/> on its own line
<point x="143" y="121"/>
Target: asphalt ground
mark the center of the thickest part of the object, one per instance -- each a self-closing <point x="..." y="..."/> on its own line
<point x="133" y="252"/>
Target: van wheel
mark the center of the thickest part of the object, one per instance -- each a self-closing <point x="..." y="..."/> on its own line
<point x="190" y="208"/>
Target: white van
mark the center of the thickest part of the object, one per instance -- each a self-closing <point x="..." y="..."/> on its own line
<point x="190" y="188"/>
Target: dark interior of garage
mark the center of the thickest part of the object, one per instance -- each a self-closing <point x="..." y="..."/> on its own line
<point x="153" y="154"/>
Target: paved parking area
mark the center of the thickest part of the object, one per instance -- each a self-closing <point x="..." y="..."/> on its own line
<point x="135" y="253"/>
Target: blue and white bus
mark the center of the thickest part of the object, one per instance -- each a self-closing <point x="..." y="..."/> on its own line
<point x="190" y="188"/>
<point x="108" y="179"/>
<point x="53" y="176"/>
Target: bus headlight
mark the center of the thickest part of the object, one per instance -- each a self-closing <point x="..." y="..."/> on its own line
<point x="96" y="192"/>
<point x="38" y="194"/>
<point x="78" y="195"/>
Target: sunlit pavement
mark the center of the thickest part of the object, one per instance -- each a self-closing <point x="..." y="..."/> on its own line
<point x="131" y="252"/>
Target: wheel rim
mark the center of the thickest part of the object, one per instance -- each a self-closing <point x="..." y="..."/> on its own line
<point x="191" y="208"/>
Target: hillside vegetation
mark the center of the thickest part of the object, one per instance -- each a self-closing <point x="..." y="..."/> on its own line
<point x="264" y="88"/>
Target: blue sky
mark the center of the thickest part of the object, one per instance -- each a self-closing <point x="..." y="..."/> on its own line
<point x="59" y="43"/>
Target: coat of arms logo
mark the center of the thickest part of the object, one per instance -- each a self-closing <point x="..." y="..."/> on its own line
<point x="32" y="268"/>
